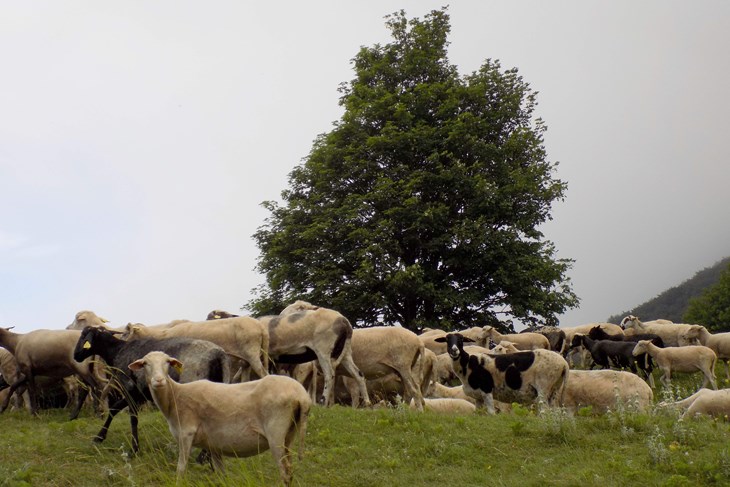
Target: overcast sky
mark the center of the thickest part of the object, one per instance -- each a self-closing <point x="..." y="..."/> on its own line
<point x="138" y="139"/>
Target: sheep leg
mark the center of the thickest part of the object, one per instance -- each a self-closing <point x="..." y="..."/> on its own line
<point x="412" y="390"/>
<point x="185" y="445"/>
<point x="328" y="372"/>
<point x="352" y="370"/>
<point x="15" y="385"/>
<point x="114" y="409"/>
<point x="283" y="460"/>
<point x="82" y="395"/>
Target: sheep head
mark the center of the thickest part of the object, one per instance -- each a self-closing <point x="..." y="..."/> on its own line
<point x="454" y="343"/>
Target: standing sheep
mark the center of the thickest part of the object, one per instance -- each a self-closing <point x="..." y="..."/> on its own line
<point x="692" y="358"/>
<point x="604" y="390"/>
<point x="229" y="419"/>
<point x="718" y="342"/>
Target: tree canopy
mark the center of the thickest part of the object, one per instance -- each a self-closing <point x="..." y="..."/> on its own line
<point x="712" y="308"/>
<point x="422" y="206"/>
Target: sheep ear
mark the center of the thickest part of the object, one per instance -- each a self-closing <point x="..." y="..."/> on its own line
<point x="176" y="364"/>
<point x="440" y="340"/>
<point x="136" y="365"/>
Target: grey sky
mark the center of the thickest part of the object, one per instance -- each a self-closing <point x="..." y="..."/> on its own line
<point x="138" y="139"/>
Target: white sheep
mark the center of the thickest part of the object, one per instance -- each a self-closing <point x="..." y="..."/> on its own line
<point x="9" y="373"/>
<point x="87" y="318"/>
<point x="229" y="419"/>
<point x="522" y="341"/>
<point x="669" y="332"/>
<point x="505" y="346"/>
<point x="718" y="342"/>
<point x="704" y="401"/>
<point x="46" y="353"/>
<point x="322" y="334"/>
<point x="445" y="405"/>
<point x="688" y="359"/>
<point x="605" y="390"/>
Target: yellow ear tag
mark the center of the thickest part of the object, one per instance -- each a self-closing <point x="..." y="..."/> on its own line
<point x="178" y="367"/>
<point x="87" y="345"/>
<point x="217" y="317"/>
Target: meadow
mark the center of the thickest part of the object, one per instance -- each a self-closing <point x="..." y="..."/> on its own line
<point x="389" y="447"/>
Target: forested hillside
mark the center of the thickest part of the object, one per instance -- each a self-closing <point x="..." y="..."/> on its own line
<point x="672" y="303"/>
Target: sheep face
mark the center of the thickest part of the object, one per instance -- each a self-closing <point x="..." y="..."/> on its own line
<point x="156" y="366"/>
<point x="454" y="343"/>
<point x="628" y="321"/>
<point x="641" y="347"/>
<point x="217" y="314"/>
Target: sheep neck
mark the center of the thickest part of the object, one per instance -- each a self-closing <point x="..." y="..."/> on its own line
<point x="9" y="340"/>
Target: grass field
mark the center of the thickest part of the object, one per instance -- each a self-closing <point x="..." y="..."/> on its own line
<point x="389" y="447"/>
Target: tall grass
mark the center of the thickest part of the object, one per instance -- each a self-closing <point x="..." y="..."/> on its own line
<point x="393" y="446"/>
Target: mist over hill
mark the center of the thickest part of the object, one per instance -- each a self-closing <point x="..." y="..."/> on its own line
<point x="672" y="303"/>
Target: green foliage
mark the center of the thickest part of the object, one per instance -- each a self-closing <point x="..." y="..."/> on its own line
<point x="673" y="303"/>
<point x="712" y="308"/>
<point x="422" y="205"/>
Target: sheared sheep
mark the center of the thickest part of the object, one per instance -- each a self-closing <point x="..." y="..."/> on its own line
<point x="505" y="346"/>
<point x="46" y="353"/>
<point x="204" y="360"/>
<point x="605" y="390"/>
<point x="704" y="401"/>
<point x="515" y="377"/>
<point x="87" y="318"/>
<point x="718" y="342"/>
<point x="322" y="334"/>
<point x="570" y="331"/>
<point x="688" y="359"/>
<point x="523" y="341"/>
<point x="555" y="335"/>
<point x="242" y="337"/>
<point x="229" y="419"/>
<point x="670" y="333"/>
<point x="443" y="373"/>
<point x="444" y="405"/>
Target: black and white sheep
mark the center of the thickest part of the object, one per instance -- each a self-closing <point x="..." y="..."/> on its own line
<point x="516" y="377"/>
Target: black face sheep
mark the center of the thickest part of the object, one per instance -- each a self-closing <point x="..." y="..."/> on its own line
<point x="229" y="419"/>
<point x="516" y="377"/>
<point x="205" y="360"/>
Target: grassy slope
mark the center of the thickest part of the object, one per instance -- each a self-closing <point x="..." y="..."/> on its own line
<point x="389" y="447"/>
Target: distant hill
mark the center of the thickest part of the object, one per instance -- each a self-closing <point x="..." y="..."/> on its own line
<point x="672" y="303"/>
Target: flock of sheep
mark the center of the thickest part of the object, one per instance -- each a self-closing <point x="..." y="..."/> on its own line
<point x="233" y="385"/>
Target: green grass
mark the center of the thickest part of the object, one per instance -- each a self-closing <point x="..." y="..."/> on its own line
<point x="387" y="447"/>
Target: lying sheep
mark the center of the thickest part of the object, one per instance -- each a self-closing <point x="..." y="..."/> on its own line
<point x="505" y="346"/>
<point x="204" y="359"/>
<point x="229" y="419"/>
<point x="692" y="358"/>
<point x="704" y="401"/>
<point x="605" y="390"/>
<point x="517" y="377"/>
<point x="322" y="334"/>
<point x="445" y="405"/>
<point x="718" y="342"/>
<point x="46" y="353"/>
<point x="522" y="341"/>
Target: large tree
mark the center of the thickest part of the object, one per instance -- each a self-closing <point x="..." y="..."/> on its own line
<point x="422" y="206"/>
<point x="712" y="308"/>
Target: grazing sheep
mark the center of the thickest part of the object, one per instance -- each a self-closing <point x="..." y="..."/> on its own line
<point x="523" y="341"/>
<point x="242" y="337"/>
<point x="604" y="390"/>
<point x="444" y="405"/>
<point x="229" y="419"/>
<point x="382" y="350"/>
<point x="669" y="332"/>
<point x="704" y="401"/>
<point x="322" y="334"/>
<point x="718" y="342"/>
<point x="515" y="377"/>
<point x="204" y="360"/>
<point x="555" y="335"/>
<point x="692" y="358"/>
<point x="46" y="353"/>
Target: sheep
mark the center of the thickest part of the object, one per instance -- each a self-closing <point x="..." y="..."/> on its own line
<point x="204" y="359"/>
<point x="9" y="375"/>
<point x="570" y="331"/>
<point x="523" y="341"/>
<point x="229" y="419"/>
<point x="608" y="353"/>
<point x="603" y="390"/>
<point x="46" y="353"/>
<point x="443" y="372"/>
<point x="505" y="346"/>
<point x="218" y="314"/>
<point x="520" y="377"/>
<point x="704" y="401"/>
<point x="322" y="334"/>
<point x="444" y="405"/>
<point x="242" y="337"/>
<point x="718" y="342"/>
<point x="429" y="338"/>
<point x="669" y="332"/>
<point x="555" y="335"/>
<point x="87" y="318"/>
<point x="690" y="358"/>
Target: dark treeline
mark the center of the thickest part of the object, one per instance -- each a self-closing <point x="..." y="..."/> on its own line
<point x="672" y="303"/>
